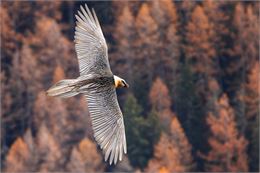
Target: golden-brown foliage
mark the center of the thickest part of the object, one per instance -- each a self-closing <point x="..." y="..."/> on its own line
<point x="125" y="36"/>
<point x="28" y="154"/>
<point x="251" y="98"/>
<point x="166" y="157"/>
<point x="161" y="102"/>
<point x="186" y="51"/>
<point x="181" y="142"/>
<point x="245" y="49"/>
<point x="18" y="158"/>
<point x="173" y="152"/>
<point x="251" y="101"/>
<point x="49" y="151"/>
<point x="228" y="147"/>
<point x="85" y="158"/>
<point x="159" y="95"/>
<point x="147" y="37"/>
<point x="58" y="74"/>
<point x="199" y="50"/>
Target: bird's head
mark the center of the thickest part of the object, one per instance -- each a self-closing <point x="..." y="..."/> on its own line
<point x="120" y="83"/>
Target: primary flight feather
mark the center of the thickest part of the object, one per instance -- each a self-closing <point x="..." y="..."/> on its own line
<point x="98" y="84"/>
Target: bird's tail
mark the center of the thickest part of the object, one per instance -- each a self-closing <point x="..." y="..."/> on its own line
<point x="64" y="89"/>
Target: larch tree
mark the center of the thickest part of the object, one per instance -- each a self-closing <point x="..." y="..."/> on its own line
<point x="18" y="157"/>
<point x="85" y="158"/>
<point x="243" y="54"/>
<point x="49" y="35"/>
<point x="125" y="36"/>
<point x="173" y="151"/>
<point x="180" y="141"/>
<point x="228" y="147"/>
<point x="165" y="15"/>
<point x="76" y="118"/>
<point x="53" y="113"/>
<point x="147" y="43"/>
<point x="200" y="56"/>
<point x="218" y="21"/>
<point x="20" y="61"/>
<point x="22" y="156"/>
<point x="184" y="9"/>
<point x="161" y="102"/>
<point x="166" y="157"/>
<point x="251" y="101"/>
<point x="22" y="88"/>
<point x="9" y="39"/>
<point x="251" y="97"/>
<point x="48" y="151"/>
<point x="199" y="51"/>
<point x="246" y="36"/>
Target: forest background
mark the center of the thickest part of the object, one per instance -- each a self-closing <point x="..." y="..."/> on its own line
<point x="193" y="101"/>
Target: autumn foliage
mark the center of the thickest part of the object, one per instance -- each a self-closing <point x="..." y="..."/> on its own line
<point x="228" y="148"/>
<point x="193" y="101"/>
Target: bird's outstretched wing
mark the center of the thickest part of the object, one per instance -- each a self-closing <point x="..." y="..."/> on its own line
<point x="90" y="44"/>
<point x="107" y="121"/>
<point x="106" y="116"/>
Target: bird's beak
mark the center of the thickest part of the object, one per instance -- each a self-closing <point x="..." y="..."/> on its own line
<point x="126" y="85"/>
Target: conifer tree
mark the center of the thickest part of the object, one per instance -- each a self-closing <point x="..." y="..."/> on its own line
<point x="141" y="133"/>
<point x="125" y="36"/>
<point x="147" y="43"/>
<point x="251" y="100"/>
<point x="201" y="55"/>
<point x="165" y="15"/>
<point x="49" y="151"/>
<point x="53" y="113"/>
<point x="9" y="39"/>
<point x="18" y="158"/>
<point x="85" y="158"/>
<point x="184" y="8"/>
<point x="166" y="157"/>
<point x="180" y="141"/>
<point x="188" y="107"/>
<point x="218" y="20"/>
<point x="22" y="156"/>
<point x="228" y="148"/>
<point x="245" y="48"/>
<point x="243" y="54"/>
<point x="161" y="103"/>
<point x="199" y="50"/>
<point x="173" y="152"/>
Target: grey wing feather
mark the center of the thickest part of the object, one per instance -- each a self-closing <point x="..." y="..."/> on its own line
<point x="90" y="44"/>
<point x="107" y="121"/>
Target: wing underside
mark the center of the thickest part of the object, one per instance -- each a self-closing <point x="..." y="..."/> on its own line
<point x="90" y="44"/>
<point x="107" y="122"/>
<point x="106" y="116"/>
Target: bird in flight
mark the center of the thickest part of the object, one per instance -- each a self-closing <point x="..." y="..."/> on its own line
<point x="98" y="84"/>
